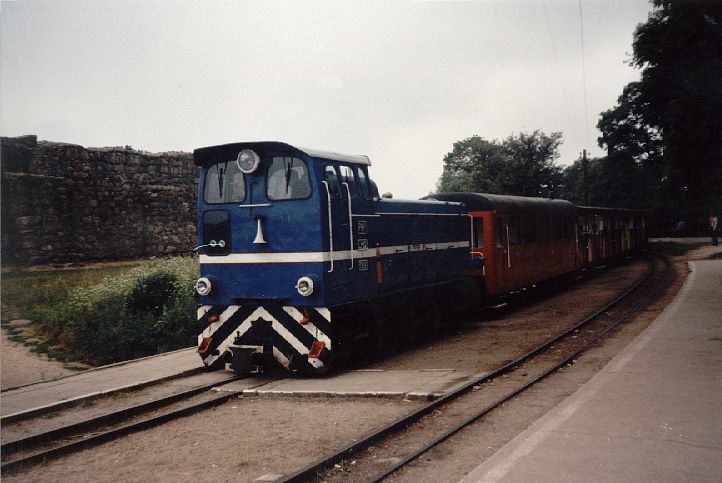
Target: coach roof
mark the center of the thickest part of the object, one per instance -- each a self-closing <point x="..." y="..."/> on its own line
<point x="224" y="152"/>
<point x="508" y="204"/>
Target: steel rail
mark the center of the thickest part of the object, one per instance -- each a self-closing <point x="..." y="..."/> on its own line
<point x="371" y="438"/>
<point x="111" y="434"/>
<point x="37" y="411"/>
<point x="490" y="407"/>
<point x="45" y="437"/>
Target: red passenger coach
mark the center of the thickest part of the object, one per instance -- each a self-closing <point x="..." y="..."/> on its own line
<point x="518" y="241"/>
<point x="608" y="234"/>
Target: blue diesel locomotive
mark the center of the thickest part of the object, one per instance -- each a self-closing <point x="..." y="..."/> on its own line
<point x="302" y="263"/>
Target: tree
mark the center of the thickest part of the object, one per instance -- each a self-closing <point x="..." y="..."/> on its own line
<point x="615" y="181"/>
<point x="520" y="165"/>
<point x="474" y="164"/>
<point x="670" y="122"/>
<point x="530" y="164"/>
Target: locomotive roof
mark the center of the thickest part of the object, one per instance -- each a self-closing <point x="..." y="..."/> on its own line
<point x="209" y="154"/>
<point x="508" y="204"/>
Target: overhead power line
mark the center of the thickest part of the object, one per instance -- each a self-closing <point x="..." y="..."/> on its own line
<point x="584" y="75"/>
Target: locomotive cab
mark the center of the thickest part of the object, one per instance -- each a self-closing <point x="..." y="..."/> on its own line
<point x="267" y="214"/>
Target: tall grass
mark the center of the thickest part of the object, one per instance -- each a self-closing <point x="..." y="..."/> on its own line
<point x="129" y="312"/>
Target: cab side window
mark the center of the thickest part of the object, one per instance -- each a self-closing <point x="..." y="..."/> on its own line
<point x="363" y="184"/>
<point x="331" y="178"/>
<point x="347" y="177"/>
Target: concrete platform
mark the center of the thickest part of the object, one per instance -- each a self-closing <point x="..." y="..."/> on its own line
<point x="417" y="384"/>
<point x="654" y="413"/>
<point x="44" y="395"/>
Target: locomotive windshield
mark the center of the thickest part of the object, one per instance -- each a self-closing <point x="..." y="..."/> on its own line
<point x="224" y="183"/>
<point x="288" y="179"/>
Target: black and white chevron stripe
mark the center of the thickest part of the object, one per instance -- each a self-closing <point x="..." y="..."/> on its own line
<point x="250" y="323"/>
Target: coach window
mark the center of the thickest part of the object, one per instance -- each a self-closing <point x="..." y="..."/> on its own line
<point x="348" y="178"/>
<point x="499" y="232"/>
<point x="543" y="228"/>
<point x="477" y="226"/>
<point x="224" y="184"/>
<point x="288" y="179"/>
<point x="556" y="228"/>
<point x="530" y="229"/>
<point x="331" y="179"/>
<point x="363" y="184"/>
<point x="567" y="228"/>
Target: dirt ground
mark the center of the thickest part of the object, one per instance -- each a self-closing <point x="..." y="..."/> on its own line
<point x="20" y="366"/>
<point x="249" y="438"/>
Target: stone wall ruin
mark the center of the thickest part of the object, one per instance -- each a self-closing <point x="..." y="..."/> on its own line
<point x="63" y="203"/>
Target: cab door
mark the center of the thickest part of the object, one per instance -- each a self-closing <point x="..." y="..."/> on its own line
<point x="359" y="231"/>
<point x="334" y="221"/>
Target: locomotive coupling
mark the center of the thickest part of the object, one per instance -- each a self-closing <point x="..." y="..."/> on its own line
<point x="246" y="359"/>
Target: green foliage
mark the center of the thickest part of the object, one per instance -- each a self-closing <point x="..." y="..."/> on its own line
<point x="615" y="181"/>
<point x="150" y="293"/>
<point x="670" y="122"/>
<point x="519" y="165"/>
<point x="30" y="294"/>
<point x="133" y="313"/>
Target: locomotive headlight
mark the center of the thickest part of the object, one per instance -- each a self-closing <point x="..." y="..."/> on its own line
<point x="305" y="286"/>
<point x="248" y="161"/>
<point x="203" y="286"/>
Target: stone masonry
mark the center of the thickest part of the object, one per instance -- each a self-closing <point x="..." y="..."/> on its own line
<point x="65" y="203"/>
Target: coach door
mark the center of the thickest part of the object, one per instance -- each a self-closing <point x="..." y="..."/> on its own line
<point x="502" y="258"/>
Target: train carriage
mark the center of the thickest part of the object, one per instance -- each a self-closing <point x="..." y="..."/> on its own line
<point x="301" y="259"/>
<point x="607" y="234"/>
<point x="302" y="263"/>
<point x="518" y="241"/>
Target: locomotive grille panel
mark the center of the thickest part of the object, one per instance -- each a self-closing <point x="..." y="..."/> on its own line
<point x="287" y="333"/>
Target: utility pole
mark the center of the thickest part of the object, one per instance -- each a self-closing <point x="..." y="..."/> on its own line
<point x="586" y="187"/>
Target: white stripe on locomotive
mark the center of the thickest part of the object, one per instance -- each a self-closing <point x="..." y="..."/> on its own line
<point x="323" y="257"/>
<point x="310" y="327"/>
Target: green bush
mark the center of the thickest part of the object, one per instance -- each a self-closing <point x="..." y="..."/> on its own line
<point x="151" y="293"/>
<point x="147" y="310"/>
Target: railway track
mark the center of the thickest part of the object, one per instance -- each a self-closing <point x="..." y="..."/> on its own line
<point x="55" y="406"/>
<point x="447" y="416"/>
<point x="28" y="451"/>
<point x="23" y="452"/>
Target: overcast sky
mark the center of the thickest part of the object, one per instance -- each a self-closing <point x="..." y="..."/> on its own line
<point x="399" y="81"/>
